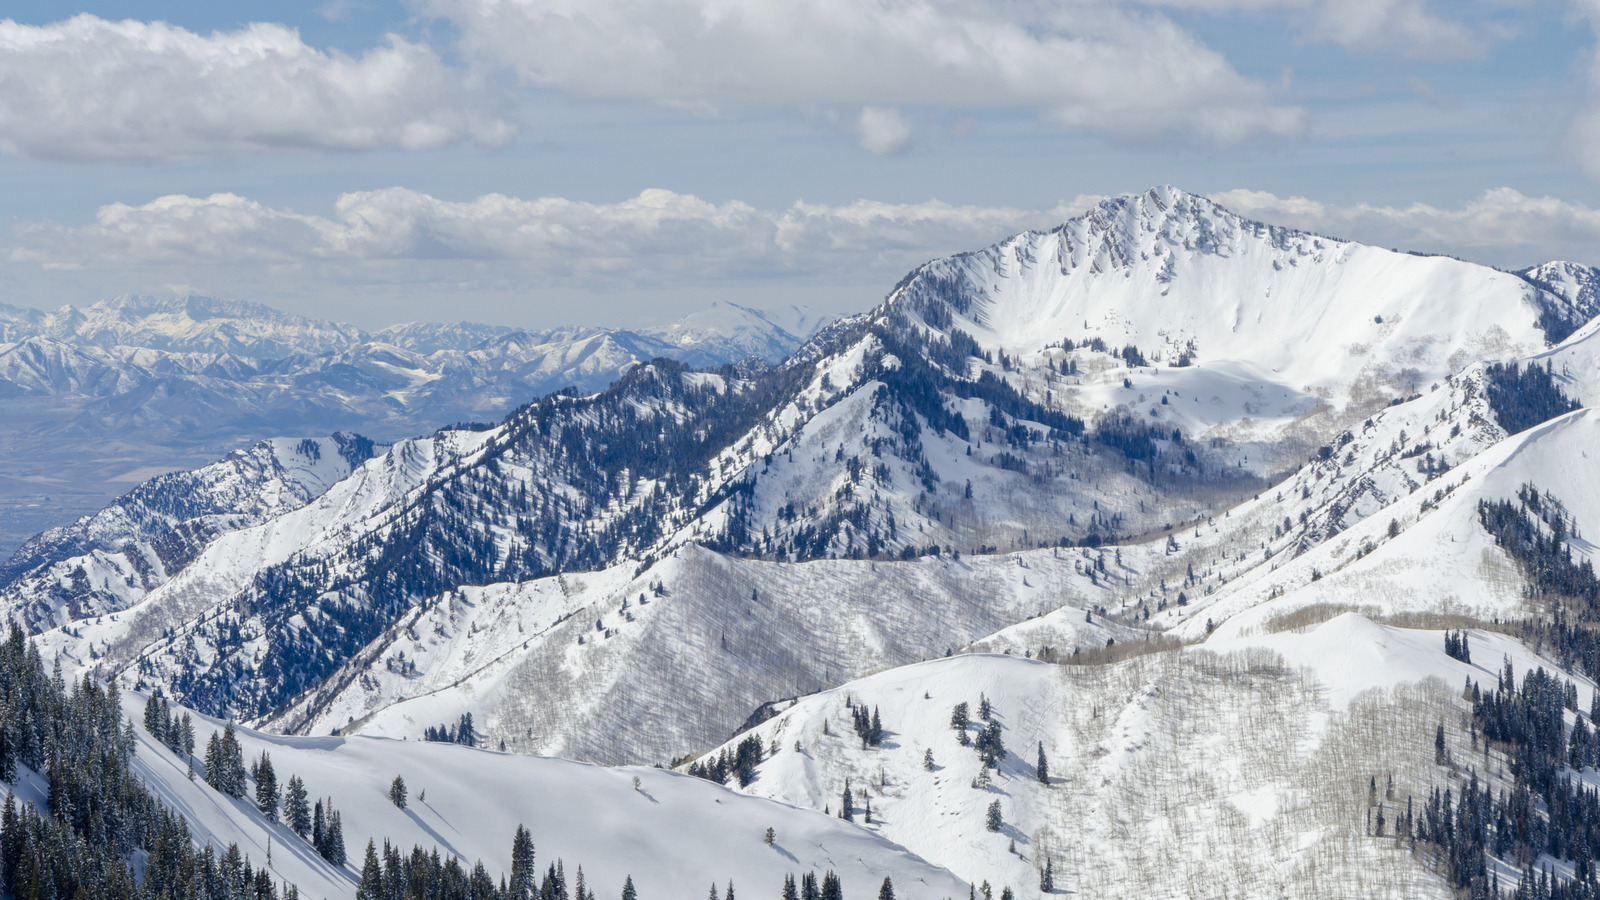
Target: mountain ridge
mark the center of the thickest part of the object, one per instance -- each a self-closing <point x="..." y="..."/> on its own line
<point x="933" y="424"/>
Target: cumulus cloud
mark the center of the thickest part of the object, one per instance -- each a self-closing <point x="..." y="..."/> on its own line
<point x="88" y="89"/>
<point x="661" y="235"/>
<point x="504" y="257"/>
<point x="1502" y="226"/>
<point x="1410" y="29"/>
<point x="1085" y="64"/>
<point x="641" y="239"/>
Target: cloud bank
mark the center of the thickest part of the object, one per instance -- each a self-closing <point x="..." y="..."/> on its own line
<point x="1083" y="64"/>
<point x="635" y="240"/>
<point x="1502" y="226"/>
<point x="660" y="234"/>
<point x="1409" y="29"/>
<point x="400" y="253"/>
<point x="91" y="90"/>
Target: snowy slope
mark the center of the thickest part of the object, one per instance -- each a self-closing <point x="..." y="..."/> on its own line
<point x="108" y="561"/>
<point x="673" y="834"/>
<point x="227" y="565"/>
<point x="1442" y="559"/>
<point x="1145" y="797"/>
<point x="578" y="666"/>
<point x="1299" y="316"/>
<point x="1577" y="284"/>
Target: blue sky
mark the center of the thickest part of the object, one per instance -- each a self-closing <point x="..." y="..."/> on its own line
<point x="545" y="161"/>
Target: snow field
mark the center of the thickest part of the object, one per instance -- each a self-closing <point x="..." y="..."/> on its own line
<point x="1237" y="769"/>
<point x="672" y="833"/>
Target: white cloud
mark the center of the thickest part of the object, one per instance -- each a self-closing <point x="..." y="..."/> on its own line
<point x="654" y="235"/>
<point x="1406" y="28"/>
<point x="1082" y="63"/>
<point x="505" y="258"/>
<point x="1502" y="226"/>
<point x="883" y="130"/>
<point x="88" y="89"/>
<point x="661" y="236"/>
<point x="1409" y="29"/>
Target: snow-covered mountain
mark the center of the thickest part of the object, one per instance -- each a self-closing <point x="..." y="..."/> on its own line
<point x="181" y="325"/>
<point x="1202" y="505"/>
<point x="123" y="389"/>
<point x="1578" y="284"/>
<point x="107" y="561"/>
<point x="1145" y="368"/>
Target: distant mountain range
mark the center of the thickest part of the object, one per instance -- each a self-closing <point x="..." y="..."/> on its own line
<point x="95" y="398"/>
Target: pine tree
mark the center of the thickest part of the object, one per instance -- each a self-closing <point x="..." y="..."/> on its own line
<point x="886" y="892"/>
<point x="993" y="821"/>
<point x="231" y="760"/>
<point x="991" y="748"/>
<point x="789" y="891"/>
<point x="371" y="887"/>
<point x="729" y="895"/>
<point x="847" y="803"/>
<point x="11" y="845"/>
<point x="154" y="717"/>
<point x="927" y="759"/>
<point x="628" y="893"/>
<point x="1047" y="878"/>
<point x="334" y="838"/>
<point x="397" y="792"/>
<point x="769" y="837"/>
<point x="958" y="721"/>
<point x="214" y="765"/>
<point x="522" y="870"/>
<point x="1042" y="767"/>
<point x="296" y="812"/>
<point x="266" y="786"/>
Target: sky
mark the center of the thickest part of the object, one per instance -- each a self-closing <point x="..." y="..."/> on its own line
<point x="623" y="162"/>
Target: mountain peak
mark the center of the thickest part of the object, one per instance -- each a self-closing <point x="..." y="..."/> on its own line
<point x="1176" y="276"/>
